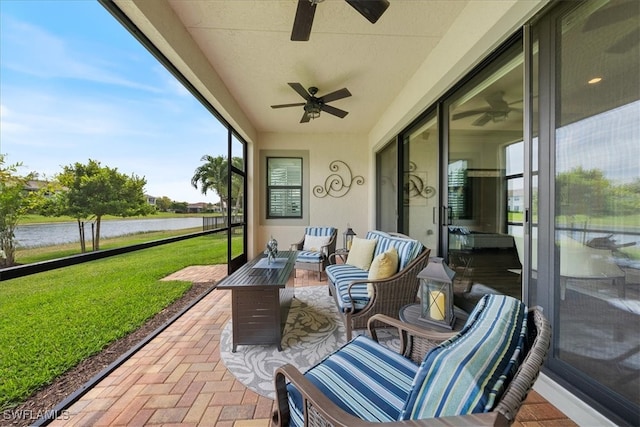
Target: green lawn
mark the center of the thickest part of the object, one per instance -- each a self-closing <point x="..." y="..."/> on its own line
<point x="51" y="321"/>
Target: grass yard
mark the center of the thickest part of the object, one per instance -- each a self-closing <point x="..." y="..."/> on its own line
<point x="51" y="321"/>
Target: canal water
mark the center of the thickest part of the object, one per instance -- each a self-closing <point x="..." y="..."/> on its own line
<point x="67" y="232"/>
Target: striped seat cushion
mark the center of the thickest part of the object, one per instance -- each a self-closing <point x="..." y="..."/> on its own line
<point x="341" y="276"/>
<point x="309" y="256"/>
<point x="364" y="378"/>
<point x="467" y="373"/>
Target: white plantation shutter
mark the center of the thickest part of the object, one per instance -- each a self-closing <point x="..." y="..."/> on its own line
<point x="284" y="187"/>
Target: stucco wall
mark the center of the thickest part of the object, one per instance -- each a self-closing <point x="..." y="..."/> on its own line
<point x="351" y="208"/>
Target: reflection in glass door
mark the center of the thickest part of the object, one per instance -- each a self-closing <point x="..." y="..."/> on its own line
<point x="485" y="125"/>
<point x="597" y="194"/>
<point x="421" y="179"/>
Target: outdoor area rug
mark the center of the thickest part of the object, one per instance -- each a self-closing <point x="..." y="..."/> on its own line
<point x="313" y="330"/>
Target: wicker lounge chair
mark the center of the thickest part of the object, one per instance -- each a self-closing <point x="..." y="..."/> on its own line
<point x="321" y="410"/>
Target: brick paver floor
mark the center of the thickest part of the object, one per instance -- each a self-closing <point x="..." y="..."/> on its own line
<point x="178" y="379"/>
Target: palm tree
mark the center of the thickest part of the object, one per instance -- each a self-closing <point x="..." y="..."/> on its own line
<point x="213" y="175"/>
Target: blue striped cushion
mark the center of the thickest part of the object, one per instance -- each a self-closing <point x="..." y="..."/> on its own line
<point x="341" y="275"/>
<point x="408" y="249"/>
<point x="466" y="373"/>
<point x="319" y="231"/>
<point x="309" y="256"/>
<point x="363" y="378"/>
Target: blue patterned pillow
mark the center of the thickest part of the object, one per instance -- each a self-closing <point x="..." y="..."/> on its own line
<point x="467" y="373"/>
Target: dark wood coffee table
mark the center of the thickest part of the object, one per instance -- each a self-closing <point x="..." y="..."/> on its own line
<point x="261" y="295"/>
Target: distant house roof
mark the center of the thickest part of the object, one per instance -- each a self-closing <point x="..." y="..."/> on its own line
<point x="35" y="184"/>
<point x="200" y="205"/>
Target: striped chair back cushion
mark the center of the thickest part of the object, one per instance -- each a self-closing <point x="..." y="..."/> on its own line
<point x="319" y="231"/>
<point x="468" y="373"/>
<point x="408" y="249"/>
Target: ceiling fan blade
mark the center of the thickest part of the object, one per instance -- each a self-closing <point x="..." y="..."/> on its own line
<point x="338" y="94"/>
<point x="303" y="21"/>
<point x="370" y="9"/>
<point x="301" y="90"/>
<point x="464" y="114"/>
<point x="297" y="104"/>
<point x="482" y="120"/>
<point x="305" y="118"/>
<point x="333" y="110"/>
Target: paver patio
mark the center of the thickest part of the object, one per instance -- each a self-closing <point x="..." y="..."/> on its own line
<point x="178" y="378"/>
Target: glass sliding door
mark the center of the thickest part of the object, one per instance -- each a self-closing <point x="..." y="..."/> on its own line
<point x="596" y="223"/>
<point x="421" y="180"/>
<point x="485" y="175"/>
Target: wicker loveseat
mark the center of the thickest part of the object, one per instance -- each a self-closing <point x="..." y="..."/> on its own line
<point x="359" y="297"/>
<point x="479" y="376"/>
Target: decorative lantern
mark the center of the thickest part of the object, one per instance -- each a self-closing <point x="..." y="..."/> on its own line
<point x="348" y="238"/>
<point x="436" y="293"/>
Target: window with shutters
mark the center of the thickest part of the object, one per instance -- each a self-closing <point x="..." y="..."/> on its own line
<point x="284" y="187"/>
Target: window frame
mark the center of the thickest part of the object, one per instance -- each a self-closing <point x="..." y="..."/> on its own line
<point x="270" y="188"/>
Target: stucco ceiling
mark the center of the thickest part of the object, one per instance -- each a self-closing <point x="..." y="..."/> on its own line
<point x="248" y="44"/>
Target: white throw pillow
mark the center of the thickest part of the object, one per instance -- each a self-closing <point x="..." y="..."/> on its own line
<point x="315" y="243"/>
<point x="361" y="253"/>
<point x="383" y="266"/>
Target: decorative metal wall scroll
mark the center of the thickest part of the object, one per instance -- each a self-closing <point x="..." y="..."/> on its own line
<point x="339" y="182"/>
<point x="416" y="184"/>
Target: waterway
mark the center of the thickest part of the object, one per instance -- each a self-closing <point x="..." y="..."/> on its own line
<point x="49" y="234"/>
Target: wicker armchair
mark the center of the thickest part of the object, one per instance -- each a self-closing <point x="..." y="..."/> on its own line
<point x="315" y="260"/>
<point x="415" y="343"/>
<point x="389" y="295"/>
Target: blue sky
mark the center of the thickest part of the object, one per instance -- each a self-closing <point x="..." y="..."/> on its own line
<point x="75" y="85"/>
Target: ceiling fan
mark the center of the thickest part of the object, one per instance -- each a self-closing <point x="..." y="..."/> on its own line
<point x="314" y="105"/>
<point x="497" y="111"/>
<point x="370" y="9"/>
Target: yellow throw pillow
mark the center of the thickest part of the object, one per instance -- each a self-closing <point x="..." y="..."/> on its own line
<point x="383" y="266"/>
<point x="361" y="253"/>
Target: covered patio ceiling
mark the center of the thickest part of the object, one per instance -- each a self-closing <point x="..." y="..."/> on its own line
<point x="248" y="44"/>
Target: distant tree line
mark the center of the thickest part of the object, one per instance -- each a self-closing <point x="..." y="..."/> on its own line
<point x="589" y="193"/>
<point x="88" y="192"/>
